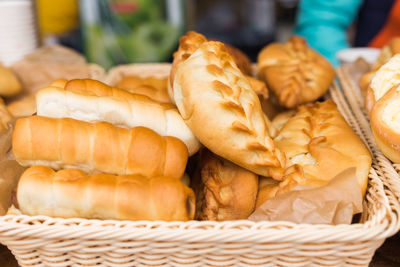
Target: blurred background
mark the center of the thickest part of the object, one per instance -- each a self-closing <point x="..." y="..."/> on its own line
<point x="112" y="32"/>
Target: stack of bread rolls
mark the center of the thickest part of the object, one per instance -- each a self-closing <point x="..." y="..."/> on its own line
<point x="95" y="139"/>
<point x="97" y="151"/>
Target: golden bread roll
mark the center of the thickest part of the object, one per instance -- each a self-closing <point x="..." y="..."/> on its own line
<point x="224" y="191"/>
<point x="385" y="123"/>
<point x="387" y="52"/>
<point x="97" y="147"/>
<point x="72" y="193"/>
<point x="26" y="106"/>
<point x="294" y="72"/>
<point x="9" y="84"/>
<point x="219" y="106"/>
<point x="189" y="43"/>
<point x="152" y="87"/>
<point x="385" y="78"/>
<point x="319" y="144"/>
<point x="5" y="116"/>
<point x="138" y="110"/>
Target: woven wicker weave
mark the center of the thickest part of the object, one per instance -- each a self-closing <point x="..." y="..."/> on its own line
<point x="352" y="92"/>
<point x="44" y="241"/>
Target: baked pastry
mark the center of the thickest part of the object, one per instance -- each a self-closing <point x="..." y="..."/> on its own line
<point x="72" y="193"/>
<point x="154" y="88"/>
<point x="385" y="123"/>
<point x="189" y="43"/>
<point x="97" y="147"/>
<point x="319" y="144"/>
<point x="9" y="84"/>
<point x="5" y="116"/>
<point x="385" y="78"/>
<point x="224" y="191"/>
<point x="138" y="110"/>
<point x="219" y="106"/>
<point x="294" y="72"/>
<point x="387" y="52"/>
<point x="242" y="61"/>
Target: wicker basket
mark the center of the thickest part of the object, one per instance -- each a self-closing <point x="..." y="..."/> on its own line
<point x="352" y="92"/>
<point x="44" y="241"/>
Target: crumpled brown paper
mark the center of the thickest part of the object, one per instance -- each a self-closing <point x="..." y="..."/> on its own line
<point x="10" y="170"/>
<point x="334" y="203"/>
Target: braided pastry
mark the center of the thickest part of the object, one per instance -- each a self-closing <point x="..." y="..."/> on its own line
<point x="294" y="72"/>
<point x="219" y="106"/>
<point x="319" y="144"/>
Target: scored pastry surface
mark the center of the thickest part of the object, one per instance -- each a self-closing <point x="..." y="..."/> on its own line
<point x="217" y="102"/>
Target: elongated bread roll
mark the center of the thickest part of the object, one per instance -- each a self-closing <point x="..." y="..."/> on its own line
<point x="136" y="111"/>
<point x="101" y="147"/>
<point x="224" y="191"/>
<point x="189" y="43"/>
<point x="72" y="193"/>
<point x="319" y="144"/>
<point x="219" y="106"/>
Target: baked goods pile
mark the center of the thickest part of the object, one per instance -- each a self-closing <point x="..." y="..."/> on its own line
<point x="382" y="101"/>
<point x="126" y="150"/>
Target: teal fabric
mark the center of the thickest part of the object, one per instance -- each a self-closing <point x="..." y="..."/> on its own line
<point x="324" y="24"/>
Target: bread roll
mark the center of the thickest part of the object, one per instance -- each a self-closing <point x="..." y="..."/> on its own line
<point x="137" y="110"/>
<point x="9" y="84"/>
<point x="189" y="43"/>
<point x="319" y="144"/>
<point x="27" y="106"/>
<point x="294" y="72"/>
<point x="73" y="194"/>
<point x="224" y="191"/>
<point x="219" y="106"/>
<point x="97" y="147"/>
<point x="385" y="78"/>
<point x="385" y="123"/>
<point x="154" y="88"/>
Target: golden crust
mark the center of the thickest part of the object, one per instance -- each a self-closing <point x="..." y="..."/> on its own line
<point x="224" y="191"/>
<point x="71" y="193"/>
<point x="97" y="147"/>
<point x="320" y="141"/>
<point x="211" y="91"/>
<point x="294" y="72"/>
<point x="386" y="137"/>
<point x="154" y="88"/>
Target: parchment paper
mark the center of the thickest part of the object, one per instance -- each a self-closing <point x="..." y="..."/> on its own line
<point x="334" y="203"/>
